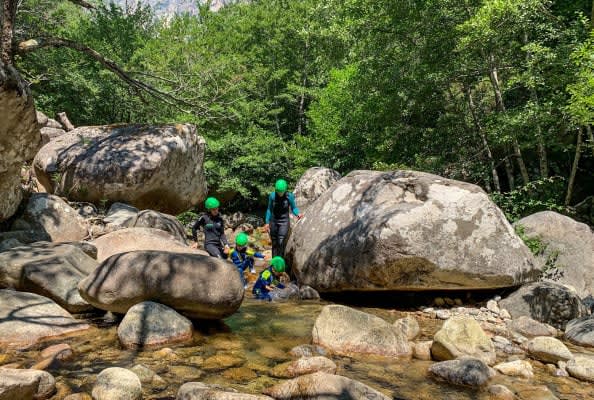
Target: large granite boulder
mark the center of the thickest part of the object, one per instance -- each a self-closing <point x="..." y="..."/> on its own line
<point x="195" y="285"/>
<point x="347" y="331"/>
<point x="312" y="184"/>
<point x="157" y="220"/>
<point x="133" y="239"/>
<point x="26" y="384"/>
<point x="51" y="215"/>
<point x="150" y="324"/>
<point x="49" y="269"/>
<point x="28" y="318"/>
<point x="569" y="248"/>
<point x="406" y="230"/>
<point x="462" y="336"/>
<point x="19" y="136"/>
<point x="546" y="302"/>
<point x="149" y="167"/>
<point x="321" y="385"/>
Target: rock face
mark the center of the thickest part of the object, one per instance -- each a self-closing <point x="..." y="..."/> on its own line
<point x="345" y="331"/>
<point x="52" y="215"/>
<point x="462" y="336"/>
<point x="464" y="372"/>
<point x="27" y="318"/>
<point x="117" y="384"/>
<point x="546" y="302"/>
<point x="26" y="384"/>
<point x="195" y="285"/>
<point x="134" y="239"/>
<point x="49" y="269"/>
<point x="157" y="220"/>
<point x="150" y="324"/>
<point x="149" y="167"/>
<point x="19" y="137"/>
<point x="581" y="331"/>
<point x="406" y="230"/>
<point x="323" y="386"/>
<point x="312" y="184"/>
<point x="569" y="247"/>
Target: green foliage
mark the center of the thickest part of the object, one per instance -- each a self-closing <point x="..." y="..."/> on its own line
<point x="534" y="243"/>
<point x="187" y="217"/>
<point x="540" y="195"/>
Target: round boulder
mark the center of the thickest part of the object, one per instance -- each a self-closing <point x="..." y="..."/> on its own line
<point x="345" y="331"/>
<point x="150" y="324"/>
<point x="464" y="372"/>
<point x="406" y="230"/>
<point x="462" y="336"/>
<point x="156" y="167"/>
<point x="197" y="286"/>
<point x="117" y="384"/>
<point x="312" y="184"/>
<point x="157" y="220"/>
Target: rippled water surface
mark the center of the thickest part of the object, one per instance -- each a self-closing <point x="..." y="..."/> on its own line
<point x="241" y="351"/>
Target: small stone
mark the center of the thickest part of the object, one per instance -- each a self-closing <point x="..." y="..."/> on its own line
<point x="117" y="384"/>
<point x="422" y="350"/>
<point x="458" y="302"/>
<point x="492" y="306"/>
<point x="60" y="352"/>
<point x="497" y="298"/>
<point x="521" y="368"/>
<point x="144" y="374"/>
<point x="439" y="302"/>
<point x="443" y="314"/>
<point x="500" y="392"/>
<point x="449" y="301"/>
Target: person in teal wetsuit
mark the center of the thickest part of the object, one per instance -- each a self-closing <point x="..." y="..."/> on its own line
<point x="280" y="205"/>
<point x="243" y="257"/>
<point x="269" y="279"/>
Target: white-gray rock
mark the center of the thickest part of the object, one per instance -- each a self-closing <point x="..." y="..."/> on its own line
<point x="547" y="349"/>
<point x="312" y="184"/>
<point x="462" y="336"/>
<point x="117" y="384"/>
<point x="26" y="384"/>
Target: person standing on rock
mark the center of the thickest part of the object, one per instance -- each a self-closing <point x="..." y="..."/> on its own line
<point x="215" y="241"/>
<point x="280" y="205"/>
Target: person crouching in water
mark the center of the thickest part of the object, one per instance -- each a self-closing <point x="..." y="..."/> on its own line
<point x="215" y="241"/>
<point x="243" y="257"/>
<point x="269" y="279"/>
<point x="280" y="204"/>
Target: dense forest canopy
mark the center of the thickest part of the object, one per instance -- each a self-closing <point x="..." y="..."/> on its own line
<point x="495" y="92"/>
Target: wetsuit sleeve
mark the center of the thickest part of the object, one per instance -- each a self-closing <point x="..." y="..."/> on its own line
<point x="235" y="258"/>
<point x="292" y="203"/>
<point x="269" y="209"/>
<point x="197" y="225"/>
<point x="253" y="253"/>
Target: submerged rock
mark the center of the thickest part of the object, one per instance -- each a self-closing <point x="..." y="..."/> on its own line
<point x="321" y="385"/>
<point x="150" y="324"/>
<point x="345" y="330"/>
<point x="201" y="391"/>
<point x="117" y="384"/>
<point x="304" y="366"/>
<point x="195" y="285"/>
<point x="406" y="230"/>
<point x="463" y="371"/>
<point x="26" y="384"/>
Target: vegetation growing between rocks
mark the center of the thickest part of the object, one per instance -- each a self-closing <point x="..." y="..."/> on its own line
<point x="497" y="93"/>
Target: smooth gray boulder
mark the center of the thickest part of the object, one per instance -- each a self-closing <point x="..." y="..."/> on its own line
<point x="406" y="230"/>
<point x="150" y="324"/>
<point x="26" y="384"/>
<point x="463" y="371"/>
<point x="49" y="269"/>
<point x="321" y="385"/>
<point x="547" y="302"/>
<point x="158" y="167"/>
<point x="27" y="319"/>
<point x="120" y="215"/>
<point x="157" y="220"/>
<point x="547" y="349"/>
<point x="52" y="215"/>
<point x="344" y="330"/>
<point x="195" y="285"/>
<point x="582" y="368"/>
<point x="528" y="327"/>
<point x="19" y="136"/>
<point x="462" y="336"/>
<point x="117" y="384"/>
<point x="569" y="248"/>
<point x="581" y="331"/>
<point x="312" y="184"/>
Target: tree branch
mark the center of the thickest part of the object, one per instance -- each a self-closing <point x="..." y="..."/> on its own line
<point x="83" y="3"/>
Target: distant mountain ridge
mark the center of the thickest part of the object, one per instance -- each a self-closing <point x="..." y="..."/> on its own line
<point x="171" y="7"/>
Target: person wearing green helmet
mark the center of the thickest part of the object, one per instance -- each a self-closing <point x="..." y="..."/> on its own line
<point x="243" y="257"/>
<point x="280" y="205"/>
<point x="215" y="241"/>
<point x="269" y="279"/>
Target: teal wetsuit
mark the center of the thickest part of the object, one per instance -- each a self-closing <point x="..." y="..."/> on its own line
<point x="277" y="215"/>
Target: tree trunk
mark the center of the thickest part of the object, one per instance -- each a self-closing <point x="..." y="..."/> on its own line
<point x="574" y="167"/>
<point x="301" y="109"/>
<point x="509" y="171"/>
<point x="8" y="16"/>
<point x="590" y="137"/>
<point x="493" y="77"/>
<point x="483" y="137"/>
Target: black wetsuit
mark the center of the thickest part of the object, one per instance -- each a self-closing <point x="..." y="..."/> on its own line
<point x="277" y="215"/>
<point x="214" y="234"/>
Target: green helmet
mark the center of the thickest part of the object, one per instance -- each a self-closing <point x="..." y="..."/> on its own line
<point x="278" y="264"/>
<point x="280" y="186"/>
<point x="241" y="239"/>
<point x="211" y="202"/>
